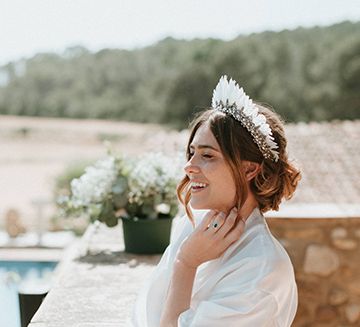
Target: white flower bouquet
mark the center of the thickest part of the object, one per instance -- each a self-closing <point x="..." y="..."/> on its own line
<point x="137" y="188"/>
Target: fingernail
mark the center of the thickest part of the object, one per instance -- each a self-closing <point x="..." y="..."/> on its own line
<point x="222" y="214"/>
<point x="234" y="209"/>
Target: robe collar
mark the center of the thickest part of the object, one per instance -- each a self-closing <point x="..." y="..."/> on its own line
<point x="208" y="269"/>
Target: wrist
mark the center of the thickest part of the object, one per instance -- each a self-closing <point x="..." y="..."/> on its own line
<point x="185" y="262"/>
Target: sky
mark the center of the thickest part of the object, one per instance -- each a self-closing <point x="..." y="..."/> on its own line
<point x="28" y="27"/>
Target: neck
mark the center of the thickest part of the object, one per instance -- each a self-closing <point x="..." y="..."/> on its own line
<point x="248" y="207"/>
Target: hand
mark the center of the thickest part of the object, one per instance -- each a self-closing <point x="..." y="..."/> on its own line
<point x="211" y="238"/>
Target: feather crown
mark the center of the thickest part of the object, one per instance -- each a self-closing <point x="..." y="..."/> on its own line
<point x="229" y="98"/>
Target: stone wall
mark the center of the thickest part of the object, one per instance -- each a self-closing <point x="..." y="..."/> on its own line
<point x="326" y="256"/>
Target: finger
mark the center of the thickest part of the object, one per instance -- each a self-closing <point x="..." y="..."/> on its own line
<point x="234" y="234"/>
<point x="239" y="221"/>
<point x="217" y="222"/>
<point x="207" y="220"/>
<point x="229" y="222"/>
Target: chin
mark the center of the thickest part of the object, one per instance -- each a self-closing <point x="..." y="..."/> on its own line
<point x="197" y="205"/>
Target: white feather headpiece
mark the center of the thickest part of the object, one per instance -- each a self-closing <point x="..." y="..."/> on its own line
<point x="229" y="98"/>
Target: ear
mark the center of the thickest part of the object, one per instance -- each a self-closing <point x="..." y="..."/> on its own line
<point x="251" y="169"/>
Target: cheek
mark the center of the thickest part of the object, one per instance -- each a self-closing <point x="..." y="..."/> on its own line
<point x="225" y="183"/>
<point x="229" y="186"/>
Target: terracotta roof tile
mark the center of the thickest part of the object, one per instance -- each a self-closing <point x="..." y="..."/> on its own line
<point x="328" y="154"/>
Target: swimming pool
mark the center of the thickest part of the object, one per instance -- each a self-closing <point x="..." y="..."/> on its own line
<point x="24" y="276"/>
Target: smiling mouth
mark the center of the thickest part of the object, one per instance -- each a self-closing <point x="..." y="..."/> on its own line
<point x="197" y="187"/>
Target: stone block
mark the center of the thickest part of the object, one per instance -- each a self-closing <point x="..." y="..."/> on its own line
<point x="338" y="232"/>
<point x="352" y="312"/>
<point x="338" y="296"/>
<point x="320" y="260"/>
<point x="345" y="244"/>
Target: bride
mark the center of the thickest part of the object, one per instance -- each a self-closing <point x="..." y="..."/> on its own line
<point x="225" y="267"/>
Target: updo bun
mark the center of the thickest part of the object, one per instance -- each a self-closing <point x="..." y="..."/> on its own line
<point x="276" y="180"/>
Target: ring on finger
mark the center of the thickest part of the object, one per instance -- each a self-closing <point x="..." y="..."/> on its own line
<point x="214" y="225"/>
<point x="218" y="223"/>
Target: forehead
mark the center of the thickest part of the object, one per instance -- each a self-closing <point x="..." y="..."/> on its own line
<point x="204" y="136"/>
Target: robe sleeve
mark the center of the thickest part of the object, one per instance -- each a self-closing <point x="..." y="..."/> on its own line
<point x="252" y="308"/>
<point x="149" y="303"/>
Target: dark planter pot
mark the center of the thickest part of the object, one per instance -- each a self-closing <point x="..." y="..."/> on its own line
<point x="146" y="236"/>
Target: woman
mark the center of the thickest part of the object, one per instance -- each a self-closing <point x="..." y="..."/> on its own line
<point x="225" y="267"/>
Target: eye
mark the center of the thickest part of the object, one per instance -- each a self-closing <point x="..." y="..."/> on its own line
<point x="207" y="156"/>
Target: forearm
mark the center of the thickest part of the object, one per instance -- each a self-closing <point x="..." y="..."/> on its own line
<point x="179" y="293"/>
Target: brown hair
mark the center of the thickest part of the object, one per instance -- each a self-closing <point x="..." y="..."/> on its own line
<point x="275" y="181"/>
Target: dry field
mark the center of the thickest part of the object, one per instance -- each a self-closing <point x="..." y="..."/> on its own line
<point x="36" y="150"/>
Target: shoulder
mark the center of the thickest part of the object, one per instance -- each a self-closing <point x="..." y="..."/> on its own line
<point x="258" y="260"/>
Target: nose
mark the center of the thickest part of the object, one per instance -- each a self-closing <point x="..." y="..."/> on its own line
<point x="191" y="167"/>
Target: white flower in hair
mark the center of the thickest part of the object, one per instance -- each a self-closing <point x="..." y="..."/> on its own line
<point x="229" y="98"/>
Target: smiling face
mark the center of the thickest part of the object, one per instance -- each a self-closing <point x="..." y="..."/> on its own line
<point x="211" y="181"/>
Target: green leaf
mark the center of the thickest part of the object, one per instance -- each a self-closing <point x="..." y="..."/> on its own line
<point x="94" y="211"/>
<point x="111" y="221"/>
<point x="107" y="214"/>
<point x="120" y="200"/>
<point x="149" y="211"/>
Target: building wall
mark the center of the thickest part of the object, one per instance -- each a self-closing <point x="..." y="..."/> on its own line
<point x="326" y="257"/>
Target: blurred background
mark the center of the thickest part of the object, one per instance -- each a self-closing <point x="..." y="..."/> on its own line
<point x="77" y="74"/>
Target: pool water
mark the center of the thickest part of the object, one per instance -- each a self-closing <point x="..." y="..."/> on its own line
<point x="24" y="276"/>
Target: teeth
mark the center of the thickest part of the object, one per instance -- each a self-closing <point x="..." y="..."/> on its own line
<point x="195" y="184"/>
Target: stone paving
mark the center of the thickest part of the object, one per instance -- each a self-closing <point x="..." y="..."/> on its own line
<point x="96" y="283"/>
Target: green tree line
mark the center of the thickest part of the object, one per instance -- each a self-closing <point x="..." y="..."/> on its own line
<point x="306" y="74"/>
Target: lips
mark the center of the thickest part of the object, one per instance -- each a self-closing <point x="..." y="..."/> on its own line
<point x="198" y="186"/>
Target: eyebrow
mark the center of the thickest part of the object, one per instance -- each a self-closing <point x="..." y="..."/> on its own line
<point x="204" y="146"/>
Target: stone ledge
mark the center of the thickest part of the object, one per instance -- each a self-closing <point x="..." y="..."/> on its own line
<point x="316" y="211"/>
<point x="96" y="282"/>
<point x="25" y="254"/>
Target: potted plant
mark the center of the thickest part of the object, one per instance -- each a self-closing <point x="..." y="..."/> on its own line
<point x="141" y="191"/>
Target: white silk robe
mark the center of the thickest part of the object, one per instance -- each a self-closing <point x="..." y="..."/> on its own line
<point x="252" y="284"/>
